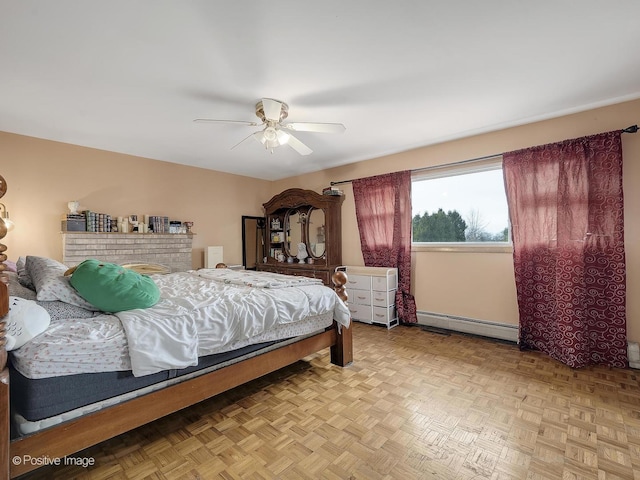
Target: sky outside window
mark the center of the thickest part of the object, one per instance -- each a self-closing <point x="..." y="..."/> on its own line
<point x="479" y="193"/>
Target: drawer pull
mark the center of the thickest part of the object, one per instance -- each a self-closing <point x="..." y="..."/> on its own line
<point x="361" y="298"/>
<point x="378" y="315"/>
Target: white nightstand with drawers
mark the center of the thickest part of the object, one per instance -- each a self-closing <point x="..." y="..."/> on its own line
<point x="372" y="294"/>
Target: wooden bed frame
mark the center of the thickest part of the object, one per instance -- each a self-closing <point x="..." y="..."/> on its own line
<point x="75" y="435"/>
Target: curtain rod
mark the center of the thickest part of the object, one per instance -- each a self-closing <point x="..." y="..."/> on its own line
<point x="631" y="129"/>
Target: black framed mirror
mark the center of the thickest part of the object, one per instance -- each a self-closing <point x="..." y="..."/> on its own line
<point x="253" y="242"/>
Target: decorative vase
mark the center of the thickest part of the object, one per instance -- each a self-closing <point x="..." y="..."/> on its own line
<point x="73" y="207"/>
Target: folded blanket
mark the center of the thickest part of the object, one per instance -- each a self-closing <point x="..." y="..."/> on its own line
<point x="250" y="278"/>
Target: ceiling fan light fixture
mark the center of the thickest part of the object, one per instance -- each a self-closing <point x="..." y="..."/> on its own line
<point x="270" y="134"/>
<point x="268" y="144"/>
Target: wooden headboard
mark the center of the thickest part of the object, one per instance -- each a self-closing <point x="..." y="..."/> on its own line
<point x="4" y="310"/>
<point x="4" y="384"/>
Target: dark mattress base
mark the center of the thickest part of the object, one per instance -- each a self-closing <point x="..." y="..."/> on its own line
<point x="36" y="399"/>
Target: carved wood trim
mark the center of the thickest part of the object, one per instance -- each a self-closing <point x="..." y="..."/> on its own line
<point x="297" y="197"/>
<point x="4" y="310"/>
<point x="4" y="386"/>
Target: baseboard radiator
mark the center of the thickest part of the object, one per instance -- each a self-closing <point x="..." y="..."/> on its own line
<point x="499" y="331"/>
<point x="484" y="328"/>
<point x="633" y="350"/>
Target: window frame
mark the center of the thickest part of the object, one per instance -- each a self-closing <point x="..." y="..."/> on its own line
<point x="463" y="168"/>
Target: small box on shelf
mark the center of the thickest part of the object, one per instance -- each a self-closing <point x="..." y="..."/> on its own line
<point x="332" y="191"/>
<point x="74" y="225"/>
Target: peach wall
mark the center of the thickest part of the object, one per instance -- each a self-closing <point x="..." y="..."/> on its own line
<point x="477" y="285"/>
<point x="42" y="176"/>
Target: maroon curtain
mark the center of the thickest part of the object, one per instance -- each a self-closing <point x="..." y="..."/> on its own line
<point x="383" y="212"/>
<point x="566" y="209"/>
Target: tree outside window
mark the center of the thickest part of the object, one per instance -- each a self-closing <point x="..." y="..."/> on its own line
<point x="461" y="206"/>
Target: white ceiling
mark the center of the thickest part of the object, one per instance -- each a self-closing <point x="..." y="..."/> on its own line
<point x="130" y="76"/>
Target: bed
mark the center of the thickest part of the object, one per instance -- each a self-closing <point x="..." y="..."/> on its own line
<point x="211" y="330"/>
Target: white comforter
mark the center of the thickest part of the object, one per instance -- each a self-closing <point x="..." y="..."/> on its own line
<point x="200" y="311"/>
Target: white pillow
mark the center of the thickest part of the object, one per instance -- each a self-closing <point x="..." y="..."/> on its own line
<point x="51" y="284"/>
<point x="26" y="319"/>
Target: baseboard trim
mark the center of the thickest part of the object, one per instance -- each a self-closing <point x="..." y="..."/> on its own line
<point x="473" y="326"/>
<point x="499" y="331"/>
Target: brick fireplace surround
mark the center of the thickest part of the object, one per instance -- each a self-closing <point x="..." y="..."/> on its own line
<point x="170" y="249"/>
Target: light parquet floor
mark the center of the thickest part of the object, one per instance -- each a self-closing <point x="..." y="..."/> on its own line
<point x="414" y="405"/>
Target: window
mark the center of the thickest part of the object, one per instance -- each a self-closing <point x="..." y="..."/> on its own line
<point x="461" y="205"/>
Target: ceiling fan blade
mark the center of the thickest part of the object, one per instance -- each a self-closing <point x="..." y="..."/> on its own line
<point x="272" y="109"/>
<point x="210" y="120"/>
<point x="283" y="137"/>
<point x="243" y="140"/>
<point x="259" y="136"/>
<point x="315" y="127"/>
<point x="298" y="146"/>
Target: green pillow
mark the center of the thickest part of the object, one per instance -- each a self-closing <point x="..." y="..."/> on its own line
<point x="112" y="288"/>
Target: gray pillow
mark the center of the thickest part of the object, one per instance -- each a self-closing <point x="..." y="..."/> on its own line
<point x="16" y="289"/>
<point x="51" y="284"/>
<point x="57" y="310"/>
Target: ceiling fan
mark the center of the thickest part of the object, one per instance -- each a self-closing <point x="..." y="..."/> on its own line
<point x="275" y="133"/>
